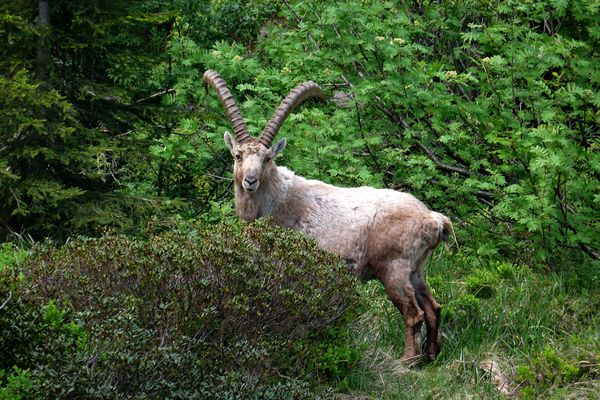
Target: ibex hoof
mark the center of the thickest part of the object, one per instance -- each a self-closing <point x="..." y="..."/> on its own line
<point x="431" y="352"/>
<point x="430" y="356"/>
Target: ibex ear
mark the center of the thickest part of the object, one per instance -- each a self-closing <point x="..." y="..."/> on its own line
<point x="230" y="142"/>
<point x="278" y="148"/>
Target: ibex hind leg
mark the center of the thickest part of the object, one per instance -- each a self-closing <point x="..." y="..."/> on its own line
<point x="396" y="279"/>
<point x="431" y="308"/>
<point x="432" y="316"/>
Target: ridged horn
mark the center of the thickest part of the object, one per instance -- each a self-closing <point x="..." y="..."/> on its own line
<point x="213" y="79"/>
<point x="298" y="94"/>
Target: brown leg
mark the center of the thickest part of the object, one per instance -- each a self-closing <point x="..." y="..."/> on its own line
<point x="431" y="308"/>
<point x="432" y="318"/>
<point x="402" y="294"/>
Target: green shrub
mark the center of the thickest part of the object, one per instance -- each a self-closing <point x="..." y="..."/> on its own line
<point x="461" y="310"/>
<point x="18" y="384"/>
<point x="34" y="337"/>
<point x="223" y="283"/>
<point x="482" y="283"/>
<point x="547" y="372"/>
<point x="507" y="270"/>
<point x="485" y="111"/>
<point x="10" y="255"/>
<point x="208" y="315"/>
<point x="332" y="359"/>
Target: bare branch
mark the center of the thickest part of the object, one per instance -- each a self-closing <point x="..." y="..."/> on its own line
<point x="6" y="301"/>
<point x="591" y="251"/>
<point x="394" y="116"/>
<point x="391" y="114"/>
<point x="441" y="165"/>
<point x="161" y="93"/>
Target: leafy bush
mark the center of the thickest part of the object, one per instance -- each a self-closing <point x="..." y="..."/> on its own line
<point x="486" y="111"/>
<point x="548" y="371"/>
<point x="482" y="283"/>
<point x="506" y="270"/>
<point x="10" y="255"/>
<point x="235" y="284"/>
<point x="18" y="384"/>
<point x="33" y="338"/>
<point x="463" y="308"/>
<point x="209" y="315"/>
<point x="332" y="359"/>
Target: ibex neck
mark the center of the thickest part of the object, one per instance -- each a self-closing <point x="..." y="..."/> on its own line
<point x="271" y="194"/>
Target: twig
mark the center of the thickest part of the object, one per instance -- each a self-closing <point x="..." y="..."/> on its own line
<point x="19" y="202"/>
<point x="162" y="93"/>
<point x="347" y="82"/>
<point x="392" y="114"/>
<point x="296" y="16"/>
<point x="113" y="99"/>
<point x="590" y="251"/>
<point x="224" y="178"/>
<point x="6" y="301"/>
<point x="299" y="21"/>
<point x="441" y="165"/>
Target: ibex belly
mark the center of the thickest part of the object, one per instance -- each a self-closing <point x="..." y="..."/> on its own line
<point x="344" y="220"/>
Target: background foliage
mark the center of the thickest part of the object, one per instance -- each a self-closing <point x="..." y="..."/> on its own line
<point x="487" y="111"/>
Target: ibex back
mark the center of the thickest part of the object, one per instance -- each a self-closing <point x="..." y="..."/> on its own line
<point x="382" y="233"/>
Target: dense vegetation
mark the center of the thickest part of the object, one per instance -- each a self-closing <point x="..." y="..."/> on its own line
<point x="173" y="316"/>
<point x="487" y="111"/>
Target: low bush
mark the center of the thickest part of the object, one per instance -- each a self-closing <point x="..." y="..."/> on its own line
<point x="10" y="255"/>
<point x="482" y="283"/>
<point x="211" y="314"/>
<point x="551" y="373"/>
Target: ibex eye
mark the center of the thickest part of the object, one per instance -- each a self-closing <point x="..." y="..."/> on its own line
<point x="238" y="157"/>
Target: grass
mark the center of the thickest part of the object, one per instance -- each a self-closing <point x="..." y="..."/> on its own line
<point x="506" y="331"/>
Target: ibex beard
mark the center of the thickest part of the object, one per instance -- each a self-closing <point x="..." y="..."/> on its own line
<point x="383" y="234"/>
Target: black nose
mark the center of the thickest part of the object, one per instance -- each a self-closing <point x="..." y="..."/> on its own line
<point x="250" y="179"/>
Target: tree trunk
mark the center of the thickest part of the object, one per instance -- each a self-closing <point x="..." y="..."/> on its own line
<point x="43" y="45"/>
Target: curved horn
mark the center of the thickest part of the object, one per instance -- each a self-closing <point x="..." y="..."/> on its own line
<point x="233" y="112"/>
<point x="296" y="96"/>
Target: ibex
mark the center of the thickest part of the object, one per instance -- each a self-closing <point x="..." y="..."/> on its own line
<point x="382" y="233"/>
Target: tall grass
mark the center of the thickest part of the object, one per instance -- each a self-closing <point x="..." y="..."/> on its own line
<point x="507" y="330"/>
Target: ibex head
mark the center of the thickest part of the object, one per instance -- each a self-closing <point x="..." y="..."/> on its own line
<point x="253" y="155"/>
